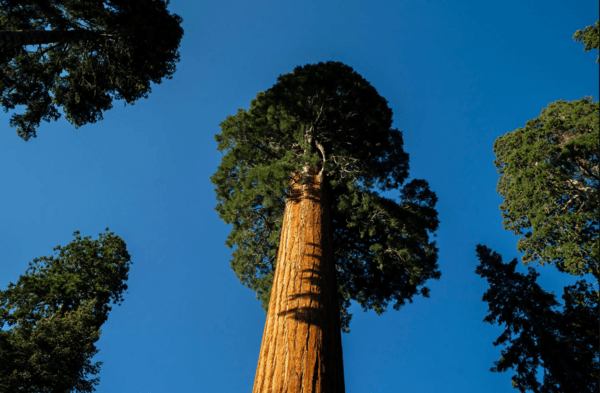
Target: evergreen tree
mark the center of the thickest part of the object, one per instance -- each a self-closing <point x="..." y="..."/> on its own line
<point x="82" y="55"/>
<point x="549" y="182"/>
<point x="302" y="182"/>
<point x="50" y="319"/>
<point x="549" y="174"/>
<point x="564" y="343"/>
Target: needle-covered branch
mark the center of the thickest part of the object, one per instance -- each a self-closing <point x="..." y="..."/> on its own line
<point x="590" y="37"/>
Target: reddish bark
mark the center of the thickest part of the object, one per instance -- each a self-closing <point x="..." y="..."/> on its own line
<point x="302" y="346"/>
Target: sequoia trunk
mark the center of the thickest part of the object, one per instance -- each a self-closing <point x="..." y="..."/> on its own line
<point x="302" y="346"/>
<point x="37" y="37"/>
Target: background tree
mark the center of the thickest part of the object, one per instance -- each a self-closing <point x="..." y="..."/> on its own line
<point x="80" y="56"/>
<point x="549" y="173"/>
<point x="318" y="148"/>
<point x="50" y="319"/>
<point x="538" y="333"/>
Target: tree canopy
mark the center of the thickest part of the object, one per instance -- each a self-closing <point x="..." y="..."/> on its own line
<point x="80" y="56"/>
<point x="50" y="319"/>
<point x="328" y="117"/>
<point x="549" y="182"/>
<point x="549" y="174"/>
<point x="537" y="332"/>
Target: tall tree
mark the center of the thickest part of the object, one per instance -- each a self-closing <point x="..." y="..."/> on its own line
<point x="50" y="319"/>
<point x="549" y="174"/>
<point x="564" y="343"/>
<point x="82" y="55"/>
<point x="301" y="182"/>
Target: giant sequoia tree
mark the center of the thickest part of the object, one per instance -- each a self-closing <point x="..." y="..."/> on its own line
<point x="50" y="319"/>
<point x="82" y="55"/>
<point x="313" y="183"/>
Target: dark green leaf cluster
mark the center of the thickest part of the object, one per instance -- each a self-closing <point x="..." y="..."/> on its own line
<point x="54" y="357"/>
<point x="328" y="117"/>
<point x="51" y="318"/>
<point x="549" y="173"/>
<point x="125" y="45"/>
<point x="590" y="36"/>
<point x="538" y="334"/>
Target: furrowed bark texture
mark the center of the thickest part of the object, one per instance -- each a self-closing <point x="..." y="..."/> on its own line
<point x="11" y="38"/>
<point x="302" y="345"/>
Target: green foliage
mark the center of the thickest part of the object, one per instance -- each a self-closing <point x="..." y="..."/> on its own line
<point x="538" y="334"/>
<point x="549" y="174"/>
<point x="50" y="319"/>
<point x="590" y="38"/>
<point x="328" y="117"/>
<point x="549" y="182"/>
<point x="135" y="42"/>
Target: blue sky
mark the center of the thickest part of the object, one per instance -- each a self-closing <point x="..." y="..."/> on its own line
<point x="457" y="74"/>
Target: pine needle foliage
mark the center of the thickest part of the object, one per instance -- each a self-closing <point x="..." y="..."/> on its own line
<point x="549" y="182"/>
<point x="50" y="319"/>
<point x="108" y="50"/>
<point x="590" y="37"/>
<point x="538" y="333"/>
<point x="328" y="117"/>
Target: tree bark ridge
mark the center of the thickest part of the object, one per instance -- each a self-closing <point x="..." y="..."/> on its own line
<point x="301" y="349"/>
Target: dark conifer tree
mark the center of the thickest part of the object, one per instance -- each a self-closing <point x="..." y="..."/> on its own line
<point x="564" y="343"/>
<point x="313" y="183"/>
<point x="82" y="55"/>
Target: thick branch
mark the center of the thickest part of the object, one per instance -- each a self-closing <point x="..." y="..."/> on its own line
<point x="322" y="150"/>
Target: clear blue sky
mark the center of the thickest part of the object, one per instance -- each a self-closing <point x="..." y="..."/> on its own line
<point x="457" y="75"/>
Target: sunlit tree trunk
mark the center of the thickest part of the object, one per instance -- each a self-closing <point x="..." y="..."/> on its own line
<point x="13" y="38"/>
<point x="302" y="347"/>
